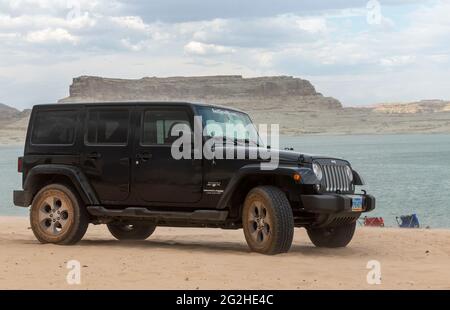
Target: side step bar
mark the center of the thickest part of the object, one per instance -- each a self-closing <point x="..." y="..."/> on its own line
<point x="133" y="212"/>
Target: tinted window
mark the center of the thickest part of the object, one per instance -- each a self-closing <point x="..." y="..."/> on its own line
<point x="108" y="127"/>
<point x="54" y="127"/>
<point x="158" y="125"/>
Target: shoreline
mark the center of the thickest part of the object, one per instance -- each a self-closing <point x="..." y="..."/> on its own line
<point x="198" y="258"/>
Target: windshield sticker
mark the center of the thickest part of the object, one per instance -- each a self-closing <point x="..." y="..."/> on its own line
<point x="224" y="112"/>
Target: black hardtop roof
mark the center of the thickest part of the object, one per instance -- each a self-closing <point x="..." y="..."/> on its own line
<point x="136" y="103"/>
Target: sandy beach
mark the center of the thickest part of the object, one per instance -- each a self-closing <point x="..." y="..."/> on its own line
<point x="185" y="258"/>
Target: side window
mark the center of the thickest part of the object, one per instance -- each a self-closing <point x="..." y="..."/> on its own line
<point x="158" y="125"/>
<point x="107" y="127"/>
<point x="54" y="127"/>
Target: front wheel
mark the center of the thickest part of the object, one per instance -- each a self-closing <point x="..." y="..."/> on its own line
<point x="138" y="231"/>
<point x="268" y="221"/>
<point x="332" y="237"/>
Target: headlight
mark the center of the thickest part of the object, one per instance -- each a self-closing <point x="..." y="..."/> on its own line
<point x="349" y="173"/>
<point x="317" y="171"/>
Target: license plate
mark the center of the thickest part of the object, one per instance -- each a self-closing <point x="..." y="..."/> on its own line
<point x="357" y="204"/>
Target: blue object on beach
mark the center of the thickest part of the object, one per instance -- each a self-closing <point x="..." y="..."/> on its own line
<point x="408" y="221"/>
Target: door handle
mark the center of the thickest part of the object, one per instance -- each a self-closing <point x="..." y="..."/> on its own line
<point x="144" y="156"/>
<point x="94" y="155"/>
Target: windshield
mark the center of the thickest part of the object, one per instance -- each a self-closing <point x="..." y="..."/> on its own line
<point x="233" y="126"/>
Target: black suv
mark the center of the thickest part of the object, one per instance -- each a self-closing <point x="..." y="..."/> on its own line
<point x="113" y="163"/>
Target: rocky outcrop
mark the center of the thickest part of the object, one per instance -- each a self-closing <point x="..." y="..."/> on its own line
<point x="293" y="103"/>
<point x="8" y="113"/>
<point x="423" y="106"/>
<point x="13" y="124"/>
<point x="231" y="90"/>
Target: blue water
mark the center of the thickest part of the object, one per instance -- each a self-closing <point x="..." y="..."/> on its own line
<point x="407" y="173"/>
<point x="9" y="180"/>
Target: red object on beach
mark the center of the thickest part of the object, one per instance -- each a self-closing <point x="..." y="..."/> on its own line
<point x="374" y="221"/>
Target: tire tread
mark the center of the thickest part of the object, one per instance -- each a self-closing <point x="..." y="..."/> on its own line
<point x="341" y="236"/>
<point x="284" y="218"/>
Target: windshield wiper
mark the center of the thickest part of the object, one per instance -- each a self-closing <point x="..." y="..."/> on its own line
<point x="248" y="141"/>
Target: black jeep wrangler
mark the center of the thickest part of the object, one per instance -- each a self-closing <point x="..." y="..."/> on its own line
<point x="112" y="163"/>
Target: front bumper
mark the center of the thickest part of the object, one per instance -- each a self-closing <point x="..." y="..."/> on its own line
<point x="21" y="198"/>
<point x="335" y="203"/>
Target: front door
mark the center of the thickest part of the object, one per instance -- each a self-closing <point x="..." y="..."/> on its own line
<point x="157" y="176"/>
<point x="107" y="150"/>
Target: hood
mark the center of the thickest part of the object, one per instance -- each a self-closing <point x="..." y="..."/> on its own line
<point x="289" y="156"/>
<point x="292" y="156"/>
<point x="286" y="156"/>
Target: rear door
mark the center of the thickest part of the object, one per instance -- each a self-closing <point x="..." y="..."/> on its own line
<point x="157" y="176"/>
<point x="107" y="151"/>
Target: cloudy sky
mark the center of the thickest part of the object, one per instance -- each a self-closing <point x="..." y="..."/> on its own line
<point x="355" y="50"/>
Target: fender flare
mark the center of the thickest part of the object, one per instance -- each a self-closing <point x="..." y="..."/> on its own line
<point x="75" y="175"/>
<point x="307" y="177"/>
<point x="357" y="178"/>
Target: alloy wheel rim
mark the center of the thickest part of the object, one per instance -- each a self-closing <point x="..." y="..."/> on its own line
<point x="54" y="214"/>
<point x="260" y="224"/>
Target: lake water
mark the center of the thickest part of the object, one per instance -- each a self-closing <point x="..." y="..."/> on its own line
<point x="9" y="180"/>
<point x="407" y="173"/>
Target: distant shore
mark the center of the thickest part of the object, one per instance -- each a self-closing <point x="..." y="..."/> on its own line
<point x="185" y="258"/>
<point x="12" y="137"/>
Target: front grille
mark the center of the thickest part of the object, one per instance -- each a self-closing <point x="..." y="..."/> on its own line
<point x="336" y="178"/>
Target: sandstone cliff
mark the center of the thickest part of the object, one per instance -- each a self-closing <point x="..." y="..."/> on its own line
<point x="293" y="103"/>
<point x="8" y="113"/>
<point x="13" y="124"/>
<point x="233" y="90"/>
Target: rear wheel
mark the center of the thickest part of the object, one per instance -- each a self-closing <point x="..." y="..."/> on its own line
<point x="137" y="231"/>
<point x="332" y="237"/>
<point x="267" y="220"/>
<point x="58" y="216"/>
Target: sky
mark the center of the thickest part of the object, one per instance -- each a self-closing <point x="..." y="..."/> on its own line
<point x="360" y="52"/>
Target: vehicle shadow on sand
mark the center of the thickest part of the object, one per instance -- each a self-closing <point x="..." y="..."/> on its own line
<point x="208" y="246"/>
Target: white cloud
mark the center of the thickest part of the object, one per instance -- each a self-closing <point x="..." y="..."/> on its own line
<point x="61" y="7"/>
<point x="439" y="58"/>
<point x="24" y="22"/>
<point x="9" y="36"/>
<point x="256" y="32"/>
<point x="137" y="46"/>
<point x="198" y="48"/>
<point x="335" y="48"/>
<point x="131" y="22"/>
<point x="264" y="59"/>
<point x="51" y="35"/>
<point x="394" y="61"/>
<point x="312" y="25"/>
<point x="44" y="4"/>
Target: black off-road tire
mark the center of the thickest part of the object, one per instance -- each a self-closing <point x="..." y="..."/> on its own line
<point x="137" y="231"/>
<point x="267" y="220"/>
<point x="332" y="237"/>
<point x="58" y="216"/>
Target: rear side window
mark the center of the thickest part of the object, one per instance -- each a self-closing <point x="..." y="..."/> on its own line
<point x="108" y="127"/>
<point x="54" y="127"/>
